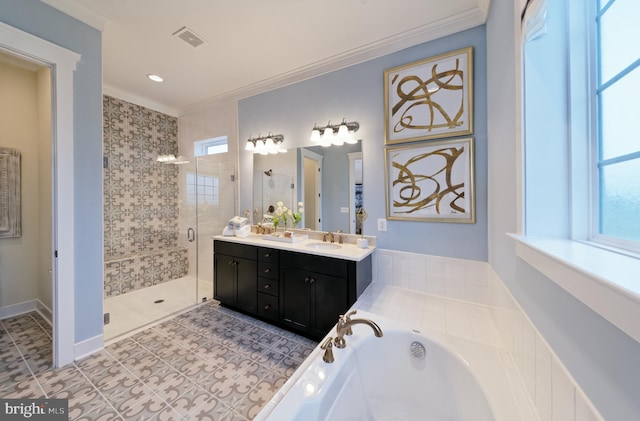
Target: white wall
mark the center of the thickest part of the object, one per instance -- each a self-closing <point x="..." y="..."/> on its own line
<point x="25" y="121"/>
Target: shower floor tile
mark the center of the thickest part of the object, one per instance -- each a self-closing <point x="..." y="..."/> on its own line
<point x="137" y="308"/>
<point x="208" y="363"/>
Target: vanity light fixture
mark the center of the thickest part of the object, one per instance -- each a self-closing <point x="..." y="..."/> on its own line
<point x="265" y="145"/>
<point x="335" y="134"/>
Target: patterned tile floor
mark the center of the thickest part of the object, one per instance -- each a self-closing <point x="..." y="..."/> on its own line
<point x="209" y="363"/>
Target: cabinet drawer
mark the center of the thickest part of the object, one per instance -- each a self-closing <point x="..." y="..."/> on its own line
<point x="235" y="249"/>
<point x="268" y="306"/>
<point x="268" y="270"/>
<point x="268" y="286"/>
<point x="268" y="255"/>
<point x="314" y="263"/>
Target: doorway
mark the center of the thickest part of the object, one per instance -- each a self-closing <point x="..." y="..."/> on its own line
<point x="43" y="53"/>
<point x="26" y="262"/>
<point x="312" y="189"/>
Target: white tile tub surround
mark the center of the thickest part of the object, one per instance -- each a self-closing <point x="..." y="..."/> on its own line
<point x="467" y="299"/>
<point x="459" y="279"/>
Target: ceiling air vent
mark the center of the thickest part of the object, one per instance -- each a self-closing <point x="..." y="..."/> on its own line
<point x="190" y="37"/>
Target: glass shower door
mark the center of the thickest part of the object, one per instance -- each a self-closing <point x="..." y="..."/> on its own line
<point x="214" y="195"/>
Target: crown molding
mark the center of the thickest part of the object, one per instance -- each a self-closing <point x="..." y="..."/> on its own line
<point x="138" y="100"/>
<point x="466" y="19"/>
<point x="79" y="12"/>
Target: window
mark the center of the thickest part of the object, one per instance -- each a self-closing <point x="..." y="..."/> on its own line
<point x="618" y="141"/>
<point x="203" y="189"/>
<point x="581" y="76"/>
<point x="211" y="146"/>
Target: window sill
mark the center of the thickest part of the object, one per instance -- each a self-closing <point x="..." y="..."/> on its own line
<point x="605" y="281"/>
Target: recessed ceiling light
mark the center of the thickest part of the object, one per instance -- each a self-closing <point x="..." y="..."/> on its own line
<point x="155" y="78"/>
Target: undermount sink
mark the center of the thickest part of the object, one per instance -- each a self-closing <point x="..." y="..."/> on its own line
<point x="324" y="246"/>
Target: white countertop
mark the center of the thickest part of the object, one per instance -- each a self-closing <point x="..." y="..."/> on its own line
<point x="345" y="251"/>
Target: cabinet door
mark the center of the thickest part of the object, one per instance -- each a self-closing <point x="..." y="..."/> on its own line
<point x="329" y="299"/>
<point x="294" y="298"/>
<point x="247" y="287"/>
<point x="225" y="290"/>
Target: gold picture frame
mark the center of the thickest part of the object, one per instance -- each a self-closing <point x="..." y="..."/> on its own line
<point x="430" y="98"/>
<point x="431" y="181"/>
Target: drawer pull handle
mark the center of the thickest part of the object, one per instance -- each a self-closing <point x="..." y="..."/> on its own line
<point x="306" y="279"/>
<point x="311" y="280"/>
<point x="267" y="255"/>
<point x="267" y="286"/>
<point x="267" y="307"/>
<point x="267" y="270"/>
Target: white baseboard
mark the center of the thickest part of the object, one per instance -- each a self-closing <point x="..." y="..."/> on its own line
<point x="88" y="346"/>
<point x="26" y="307"/>
<point x="45" y="312"/>
<point x="18" y="309"/>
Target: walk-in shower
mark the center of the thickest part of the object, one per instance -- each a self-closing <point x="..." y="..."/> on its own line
<point x="160" y="210"/>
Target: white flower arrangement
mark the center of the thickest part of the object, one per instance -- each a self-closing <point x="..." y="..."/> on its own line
<point x="284" y="214"/>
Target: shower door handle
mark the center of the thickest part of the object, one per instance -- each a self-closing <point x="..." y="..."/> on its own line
<point x="191" y="235"/>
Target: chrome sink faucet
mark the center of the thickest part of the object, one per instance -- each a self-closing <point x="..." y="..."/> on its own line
<point x="344" y="327"/>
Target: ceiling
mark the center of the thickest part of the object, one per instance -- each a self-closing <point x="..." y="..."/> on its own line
<point x="252" y="45"/>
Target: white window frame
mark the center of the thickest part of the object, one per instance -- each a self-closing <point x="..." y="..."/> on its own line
<point x="201" y="147"/>
<point x="212" y="199"/>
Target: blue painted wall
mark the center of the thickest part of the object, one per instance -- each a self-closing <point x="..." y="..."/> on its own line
<point x="45" y="22"/>
<point x="357" y="93"/>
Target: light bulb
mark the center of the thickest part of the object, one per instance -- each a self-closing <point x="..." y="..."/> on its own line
<point x="327" y="137"/>
<point x="343" y="131"/>
<point x="250" y="146"/>
<point x="351" y="138"/>
<point x="260" y="148"/>
<point x="315" y="135"/>
<point x="270" y="146"/>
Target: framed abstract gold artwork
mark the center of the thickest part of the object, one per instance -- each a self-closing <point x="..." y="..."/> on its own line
<point x="430" y="98"/>
<point x="431" y="181"/>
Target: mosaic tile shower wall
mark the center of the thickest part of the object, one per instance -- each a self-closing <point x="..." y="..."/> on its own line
<point x="140" y="198"/>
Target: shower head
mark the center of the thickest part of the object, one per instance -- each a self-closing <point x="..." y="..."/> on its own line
<point x="269" y="172"/>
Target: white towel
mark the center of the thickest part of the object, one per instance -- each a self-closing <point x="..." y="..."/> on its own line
<point x="244" y="231"/>
<point x="241" y="232"/>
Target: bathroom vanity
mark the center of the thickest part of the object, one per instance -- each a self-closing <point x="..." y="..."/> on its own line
<point x="301" y="286"/>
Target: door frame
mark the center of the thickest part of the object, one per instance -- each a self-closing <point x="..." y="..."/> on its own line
<point x="305" y="153"/>
<point x="353" y="157"/>
<point x="62" y="63"/>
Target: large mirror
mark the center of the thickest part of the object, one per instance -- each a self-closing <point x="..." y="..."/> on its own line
<point x="327" y="179"/>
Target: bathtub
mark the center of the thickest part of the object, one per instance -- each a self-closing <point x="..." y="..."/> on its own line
<point x="404" y="375"/>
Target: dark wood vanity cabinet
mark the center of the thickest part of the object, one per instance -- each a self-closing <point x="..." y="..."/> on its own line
<point x="303" y="292"/>
<point x="311" y="302"/>
<point x="235" y="275"/>
<point x="316" y="290"/>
